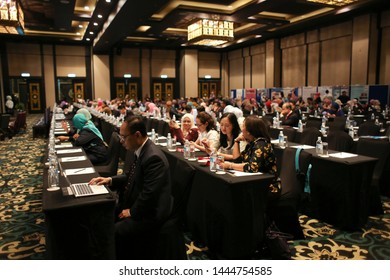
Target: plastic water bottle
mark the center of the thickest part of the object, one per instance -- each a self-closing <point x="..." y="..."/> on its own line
<point x="377" y="121"/>
<point x="372" y="116"/>
<point x="300" y="126"/>
<point x="213" y="160"/>
<point x="169" y="141"/>
<point x="186" y="149"/>
<point x="174" y="118"/>
<point x="192" y="151"/>
<point x="319" y="147"/>
<point x="153" y="135"/>
<point x="281" y="139"/>
<point x="351" y="132"/>
<point x="53" y="178"/>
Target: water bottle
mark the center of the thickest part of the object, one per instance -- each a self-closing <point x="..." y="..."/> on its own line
<point x="153" y="135"/>
<point x="174" y="118"/>
<point x="213" y="160"/>
<point x="274" y="122"/>
<point x="347" y="123"/>
<point x="169" y="141"/>
<point x="218" y="126"/>
<point x="192" y="151"/>
<point x="377" y="121"/>
<point x="186" y="149"/>
<point x="315" y="113"/>
<point x="319" y="148"/>
<point x="53" y="177"/>
<point x="351" y="132"/>
<point x="300" y="126"/>
<point x="372" y="116"/>
<point x="281" y="139"/>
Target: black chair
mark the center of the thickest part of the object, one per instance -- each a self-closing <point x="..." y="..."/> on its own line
<point x="4" y="127"/>
<point x="314" y="122"/>
<point x="338" y="124"/>
<point x="285" y="211"/>
<point x="18" y="124"/>
<point x="379" y="149"/>
<point x="368" y="128"/>
<point x="110" y="167"/>
<point x="339" y="141"/>
<point x="309" y="136"/>
<point x="163" y="128"/>
<point x="290" y="133"/>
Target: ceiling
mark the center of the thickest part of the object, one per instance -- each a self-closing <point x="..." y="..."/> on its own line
<point x="116" y="23"/>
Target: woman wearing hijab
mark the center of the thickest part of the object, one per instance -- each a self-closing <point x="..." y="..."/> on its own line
<point x="187" y="131"/>
<point x="89" y="138"/>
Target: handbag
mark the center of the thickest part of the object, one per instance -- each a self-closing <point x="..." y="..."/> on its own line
<point x="276" y="243"/>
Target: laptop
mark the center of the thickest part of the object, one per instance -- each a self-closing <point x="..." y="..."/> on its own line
<point x="84" y="189"/>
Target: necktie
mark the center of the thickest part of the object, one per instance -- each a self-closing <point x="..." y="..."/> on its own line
<point x="131" y="173"/>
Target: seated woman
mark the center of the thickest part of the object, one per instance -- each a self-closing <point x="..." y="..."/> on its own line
<point x="89" y="138"/>
<point x="188" y="130"/>
<point x="208" y="136"/>
<point x="258" y="155"/>
<point x="230" y="130"/>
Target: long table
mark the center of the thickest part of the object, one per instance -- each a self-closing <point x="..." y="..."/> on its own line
<point x="78" y="228"/>
<point x="225" y="212"/>
<point x="341" y="191"/>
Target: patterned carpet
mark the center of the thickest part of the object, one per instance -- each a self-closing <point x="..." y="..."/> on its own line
<point x="22" y="221"/>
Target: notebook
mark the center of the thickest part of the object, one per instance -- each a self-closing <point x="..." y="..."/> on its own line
<point x="84" y="189"/>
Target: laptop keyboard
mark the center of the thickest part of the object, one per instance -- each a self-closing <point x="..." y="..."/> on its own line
<point x="83" y="189"/>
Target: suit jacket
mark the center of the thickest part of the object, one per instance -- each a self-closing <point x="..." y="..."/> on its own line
<point x="291" y="120"/>
<point x="150" y="197"/>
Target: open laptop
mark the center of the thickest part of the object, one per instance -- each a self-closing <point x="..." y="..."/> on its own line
<point x="84" y="189"/>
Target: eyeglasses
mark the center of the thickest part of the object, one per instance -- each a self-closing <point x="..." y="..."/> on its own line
<point x="122" y="138"/>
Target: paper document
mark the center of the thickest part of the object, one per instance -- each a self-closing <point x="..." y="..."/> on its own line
<point x="79" y="171"/>
<point x="69" y="151"/>
<point x="68" y="159"/>
<point x="343" y="155"/>
<point x="275" y="141"/>
<point x="303" y="147"/>
<point x="241" y="174"/>
<point x="63" y="145"/>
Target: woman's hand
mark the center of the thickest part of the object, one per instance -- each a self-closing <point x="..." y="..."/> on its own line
<point x="173" y="124"/>
<point x="76" y="136"/>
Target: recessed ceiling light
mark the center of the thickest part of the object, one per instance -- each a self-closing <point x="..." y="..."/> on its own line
<point x="108" y="1"/>
<point x="207" y="76"/>
<point x="86" y="8"/>
<point x="25" y="74"/>
<point x="88" y="39"/>
<point x="71" y="75"/>
<point x="100" y="16"/>
<point x="81" y="26"/>
<point x="78" y="33"/>
<point x="95" y="23"/>
<point x="164" y="76"/>
<point x="91" y="32"/>
<point x="127" y="75"/>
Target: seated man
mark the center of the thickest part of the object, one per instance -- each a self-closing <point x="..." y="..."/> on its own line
<point x="289" y="116"/>
<point x="145" y="200"/>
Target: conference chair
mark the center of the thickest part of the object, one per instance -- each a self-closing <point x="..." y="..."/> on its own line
<point x="110" y="167"/>
<point x="338" y="124"/>
<point x="368" y="128"/>
<point x="309" y="136"/>
<point x="379" y="149"/>
<point x="314" y="122"/>
<point x="4" y="126"/>
<point x="339" y="141"/>
<point x="18" y="124"/>
<point x="285" y="211"/>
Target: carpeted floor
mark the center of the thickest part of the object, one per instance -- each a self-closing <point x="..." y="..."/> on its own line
<point x="22" y="221"/>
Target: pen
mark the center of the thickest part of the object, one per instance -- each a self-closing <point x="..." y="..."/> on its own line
<point x="230" y="171"/>
<point x="82" y="169"/>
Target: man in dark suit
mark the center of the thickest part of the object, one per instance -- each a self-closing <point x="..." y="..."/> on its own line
<point x="122" y="112"/>
<point x="145" y="200"/>
<point x="289" y="118"/>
